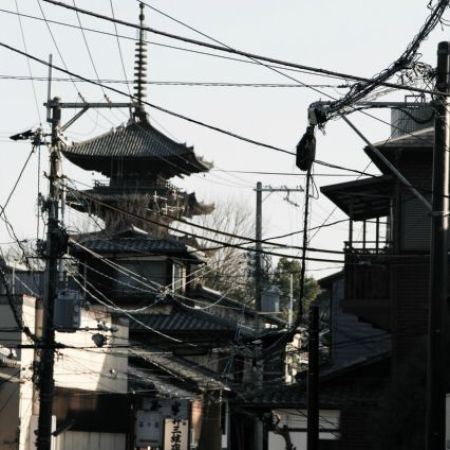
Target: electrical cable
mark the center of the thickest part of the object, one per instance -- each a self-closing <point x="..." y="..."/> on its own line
<point x="22" y="32"/>
<point x="119" y="47"/>
<point x="16" y="314"/>
<point x="127" y="82"/>
<point x="16" y="183"/>
<point x="169" y="227"/>
<point x="256" y="172"/>
<point x="356" y="88"/>
<point x="225" y="244"/>
<point x="184" y="49"/>
<point x="86" y="44"/>
<point x="234" y="51"/>
<point x="360" y="90"/>
<point x="181" y="116"/>
<point x="55" y="43"/>
<point x="111" y="305"/>
<point x="153" y="285"/>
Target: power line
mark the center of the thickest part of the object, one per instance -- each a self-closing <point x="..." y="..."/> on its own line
<point x="178" y="115"/>
<point x="406" y="59"/>
<point x="226" y="244"/>
<point x="173" y="83"/>
<point x="356" y="90"/>
<point x="239" y="52"/>
<point x="172" y="47"/>
<point x="119" y="47"/>
<point x="256" y="172"/>
<point x="22" y="32"/>
<point x="91" y="59"/>
<point x="58" y="50"/>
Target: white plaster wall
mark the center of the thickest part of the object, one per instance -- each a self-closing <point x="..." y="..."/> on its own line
<point x="77" y="440"/>
<point x="91" y="368"/>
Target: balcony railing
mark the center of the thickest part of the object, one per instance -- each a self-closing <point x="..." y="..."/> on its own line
<point x="368" y="247"/>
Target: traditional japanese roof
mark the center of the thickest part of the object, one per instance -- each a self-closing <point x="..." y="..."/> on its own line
<point x="135" y="241"/>
<point x="140" y="378"/>
<point x="362" y="199"/>
<point x="139" y="147"/>
<point x="179" y="370"/>
<point x="185" y="320"/>
<point x="420" y="142"/>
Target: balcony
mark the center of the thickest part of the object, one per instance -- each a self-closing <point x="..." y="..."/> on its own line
<point x="367" y="284"/>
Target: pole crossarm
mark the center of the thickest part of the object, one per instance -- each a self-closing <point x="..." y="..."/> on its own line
<point x="82" y="105"/>
<point x="280" y="189"/>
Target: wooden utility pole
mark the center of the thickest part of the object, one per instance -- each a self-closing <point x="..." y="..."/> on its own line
<point x="437" y="316"/>
<point x="313" y="380"/>
<point x="52" y="251"/>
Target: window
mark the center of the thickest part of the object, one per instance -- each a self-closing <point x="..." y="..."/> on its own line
<point x="178" y="277"/>
<point x="147" y="271"/>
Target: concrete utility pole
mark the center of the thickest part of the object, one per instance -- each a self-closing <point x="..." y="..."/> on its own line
<point x="258" y="433"/>
<point x="258" y="235"/>
<point x="313" y="380"/>
<point x="53" y="248"/>
<point x="258" y="247"/>
<point x="436" y="377"/>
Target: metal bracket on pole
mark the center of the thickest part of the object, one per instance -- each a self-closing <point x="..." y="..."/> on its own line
<point x="74" y="119"/>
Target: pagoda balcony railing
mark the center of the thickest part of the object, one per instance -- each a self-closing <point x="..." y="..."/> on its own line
<point x="131" y="184"/>
<point x="368" y="247"/>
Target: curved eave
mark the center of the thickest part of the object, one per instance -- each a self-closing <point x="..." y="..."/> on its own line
<point x="138" y="145"/>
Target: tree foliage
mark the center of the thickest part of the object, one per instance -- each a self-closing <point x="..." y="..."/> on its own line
<point x="287" y="269"/>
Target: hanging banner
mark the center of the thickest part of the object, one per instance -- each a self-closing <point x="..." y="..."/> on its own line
<point x="176" y="434"/>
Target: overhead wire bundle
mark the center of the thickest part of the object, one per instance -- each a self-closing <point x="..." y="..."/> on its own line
<point x="361" y="89"/>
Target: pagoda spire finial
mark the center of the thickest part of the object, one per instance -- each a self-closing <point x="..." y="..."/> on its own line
<point x="140" y="69"/>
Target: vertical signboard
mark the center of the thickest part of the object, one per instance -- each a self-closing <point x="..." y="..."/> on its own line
<point x="148" y="429"/>
<point x="176" y="434"/>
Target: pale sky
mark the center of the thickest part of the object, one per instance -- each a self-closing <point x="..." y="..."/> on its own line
<point x="351" y="36"/>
